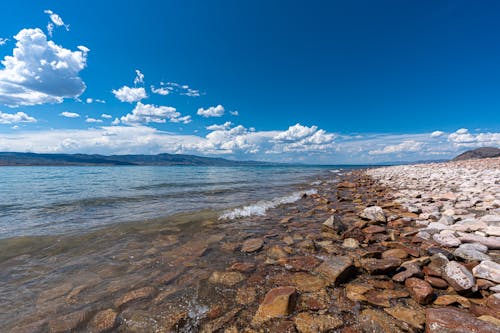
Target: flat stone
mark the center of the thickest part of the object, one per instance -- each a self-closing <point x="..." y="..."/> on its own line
<point x="490" y="319"/>
<point x="350" y="243"/>
<point x="244" y="267"/>
<point x="134" y="295"/>
<point x="459" y="277"/>
<point x="278" y="302"/>
<point x="306" y="282"/>
<point x="446" y="219"/>
<point x="470" y="254"/>
<point x="412" y="317"/>
<point x="437" y="264"/>
<point x="373" y="229"/>
<point x="375" y="321"/>
<point x="395" y="253"/>
<point x="226" y="278"/>
<point x="346" y="185"/>
<point x="252" y="245"/>
<point x="410" y="270"/>
<point x="300" y="263"/>
<point x="488" y="270"/>
<point x="245" y="295"/>
<point x="492" y="230"/>
<point x="103" y="321"/>
<point x="336" y="269"/>
<point x="276" y="252"/>
<point x="447" y="239"/>
<point x="69" y="322"/>
<point x="490" y="219"/>
<point x="314" y="301"/>
<point x="468" y="225"/>
<point x="313" y="323"/>
<point x="444" y="300"/>
<point x="450" y="320"/>
<point x="420" y="290"/>
<point x="380" y="266"/>
<point x="374" y="214"/>
<point x="436" y="282"/>
<point x="492" y="242"/>
<point x="335" y="223"/>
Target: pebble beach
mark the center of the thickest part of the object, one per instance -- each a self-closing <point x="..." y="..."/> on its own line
<point x="412" y="248"/>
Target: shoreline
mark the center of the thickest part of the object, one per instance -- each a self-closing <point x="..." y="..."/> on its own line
<point x="324" y="262"/>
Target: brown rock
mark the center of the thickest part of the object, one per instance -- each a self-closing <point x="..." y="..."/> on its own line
<point x="252" y="245"/>
<point x="226" y="278"/>
<point x="276" y="252"/>
<point x="314" y="301"/>
<point x="300" y="263"/>
<point x="306" y="282"/>
<point x="420" y="290"/>
<point x="245" y="295"/>
<point x="134" y="295"/>
<point x="278" y="302"/>
<point x="346" y="185"/>
<point x="444" y="300"/>
<point x="380" y="266"/>
<point x="244" y="267"/>
<point x="493" y="302"/>
<point x="395" y="253"/>
<point x="373" y="229"/>
<point x="450" y="320"/>
<point x="288" y="240"/>
<point x="309" y="323"/>
<point x="336" y="270"/>
<point x="410" y="270"/>
<point x="69" y="322"/>
<point x="374" y="321"/>
<point x="490" y="319"/>
<point x="436" y="282"/>
<point x="412" y="317"/>
<point x="218" y="323"/>
<point x="103" y="321"/>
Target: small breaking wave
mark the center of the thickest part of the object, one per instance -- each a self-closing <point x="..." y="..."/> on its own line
<point x="261" y="207"/>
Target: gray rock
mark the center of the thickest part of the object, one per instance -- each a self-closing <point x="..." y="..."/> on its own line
<point x="373" y="213"/>
<point x="468" y="225"/>
<point x="350" y="243"/>
<point x="446" y="220"/>
<point x="492" y="230"/>
<point x="491" y="219"/>
<point x="470" y="254"/>
<point x="475" y="246"/>
<point x="459" y="277"/>
<point x="493" y="243"/>
<point x="447" y="239"/>
<point x="488" y="270"/>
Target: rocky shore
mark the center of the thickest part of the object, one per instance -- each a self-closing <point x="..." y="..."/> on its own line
<point x="396" y="249"/>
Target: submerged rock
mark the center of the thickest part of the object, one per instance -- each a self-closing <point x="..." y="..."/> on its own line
<point x="103" y="321"/>
<point x="336" y="270"/>
<point x="226" y="278"/>
<point x="252" y="245"/>
<point x="278" y="302"/>
<point x="313" y="323"/>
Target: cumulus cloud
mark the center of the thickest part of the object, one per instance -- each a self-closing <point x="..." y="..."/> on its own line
<point x="55" y="20"/>
<point x="3" y="41"/>
<point x="12" y="118"/>
<point x="174" y="87"/>
<point x="463" y="138"/>
<point x="160" y="91"/>
<point x="139" y="77"/>
<point x="149" y="113"/>
<point x="93" y="120"/>
<point x="220" y="127"/>
<point x="234" y="113"/>
<point x="69" y="114"/>
<point x="213" y="111"/>
<point x="437" y="134"/>
<point x="106" y="116"/>
<point x="130" y="95"/>
<point x="39" y="71"/>
<point x="405" y="146"/>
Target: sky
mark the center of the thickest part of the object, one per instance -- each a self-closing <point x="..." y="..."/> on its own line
<point x="321" y="82"/>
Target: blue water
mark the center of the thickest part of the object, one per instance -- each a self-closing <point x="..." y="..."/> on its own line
<point x="55" y="200"/>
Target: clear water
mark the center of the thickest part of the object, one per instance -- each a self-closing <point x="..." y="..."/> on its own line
<point x="56" y="200"/>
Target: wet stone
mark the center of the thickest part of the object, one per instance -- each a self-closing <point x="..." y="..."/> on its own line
<point x="410" y="270"/>
<point x="244" y="267"/>
<point x="420" y="290"/>
<point x="103" y="321"/>
<point x="300" y="263"/>
<point x="395" y="253"/>
<point x="436" y="282"/>
<point x="336" y="270"/>
<point x="245" y="295"/>
<point x="278" y="302"/>
<point x="450" y="320"/>
<point x="458" y="277"/>
<point x="313" y="301"/>
<point x="380" y="266"/>
<point x="69" y="322"/>
<point x="134" y="295"/>
<point x="313" y="323"/>
<point x="410" y="316"/>
<point x="252" y="245"/>
<point x="226" y="278"/>
<point x="306" y="282"/>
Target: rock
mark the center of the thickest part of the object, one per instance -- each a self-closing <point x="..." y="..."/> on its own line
<point x="492" y="230"/>
<point x="468" y="225"/>
<point x="300" y="263"/>
<point x="306" y="282"/>
<point x="446" y="239"/>
<point x="217" y="324"/>
<point x="490" y="219"/>
<point x="69" y="322"/>
<point x="276" y="252"/>
<point x="450" y="320"/>
<point x="410" y="270"/>
<point x="314" y="301"/>
<point x="444" y="300"/>
<point x="103" y="321"/>
<point x="373" y="229"/>
<point x="335" y="223"/>
<point x="252" y="245"/>
<point x="459" y="277"/>
<point x="435" y="227"/>
<point x="446" y="219"/>
<point x="346" y="185"/>
<point x="245" y="295"/>
<point x="244" y="267"/>
<point x="470" y="254"/>
<point x="488" y="270"/>
<point x="435" y="250"/>
<point x="134" y="295"/>
<point x="374" y="214"/>
<point x="492" y="242"/>
<point x="438" y="263"/>
<point x="420" y="290"/>
<point x="336" y="269"/>
<point x="350" y="243"/>
<point x="226" y="278"/>
<point x="380" y="266"/>
<point x="278" y="302"/>
<point x="288" y="240"/>
<point x="493" y="302"/>
<point x="310" y="323"/>
<point x="395" y="253"/>
<point x="374" y="321"/>
<point x="490" y="319"/>
<point x="436" y="282"/>
<point x="412" y="317"/>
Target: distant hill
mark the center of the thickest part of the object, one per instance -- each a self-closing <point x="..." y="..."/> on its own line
<point x="483" y="152"/>
<point x="27" y="159"/>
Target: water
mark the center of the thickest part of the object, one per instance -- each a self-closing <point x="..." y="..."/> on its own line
<point x="54" y="200"/>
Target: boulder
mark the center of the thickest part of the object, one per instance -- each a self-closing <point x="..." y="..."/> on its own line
<point x="278" y="302"/>
<point x="459" y="277"/>
<point x="488" y="270"/>
<point x="420" y="290"/>
<point x="336" y="269"/>
<point x="450" y="320"/>
<point x="252" y="245"/>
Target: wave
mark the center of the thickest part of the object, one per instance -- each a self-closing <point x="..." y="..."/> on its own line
<point x="261" y="207"/>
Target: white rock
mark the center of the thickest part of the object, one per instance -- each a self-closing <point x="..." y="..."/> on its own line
<point x="492" y="231"/>
<point x="447" y="239"/>
<point x="491" y="219"/>
<point x="468" y="225"/>
<point x="488" y="270"/>
<point x="446" y="219"/>
<point x="373" y="213"/>
<point x="458" y="276"/>
<point x="491" y="242"/>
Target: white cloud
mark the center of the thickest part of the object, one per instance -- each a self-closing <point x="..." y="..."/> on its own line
<point x="130" y="95"/>
<point x="295" y="132"/>
<point x="106" y="116"/>
<point x="93" y="120"/>
<point x="213" y="111"/>
<point x="149" y="113"/>
<point x="55" y="20"/>
<point x="115" y="122"/>
<point x="3" y="41"/>
<point x="405" y="146"/>
<point x="234" y="113"/>
<point x="160" y="91"/>
<point x="19" y="117"/>
<point x="139" y="77"/>
<point x="89" y="100"/>
<point x="437" y="134"/>
<point x="463" y="138"/>
<point x="220" y="127"/>
<point x="39" y="71"/>
<point x="69" y="114"/>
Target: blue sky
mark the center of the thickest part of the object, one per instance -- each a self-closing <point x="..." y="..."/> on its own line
<point x="315" y="81"/>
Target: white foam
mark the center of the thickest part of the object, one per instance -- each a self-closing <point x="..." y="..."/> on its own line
<point x="261" y="207"/>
